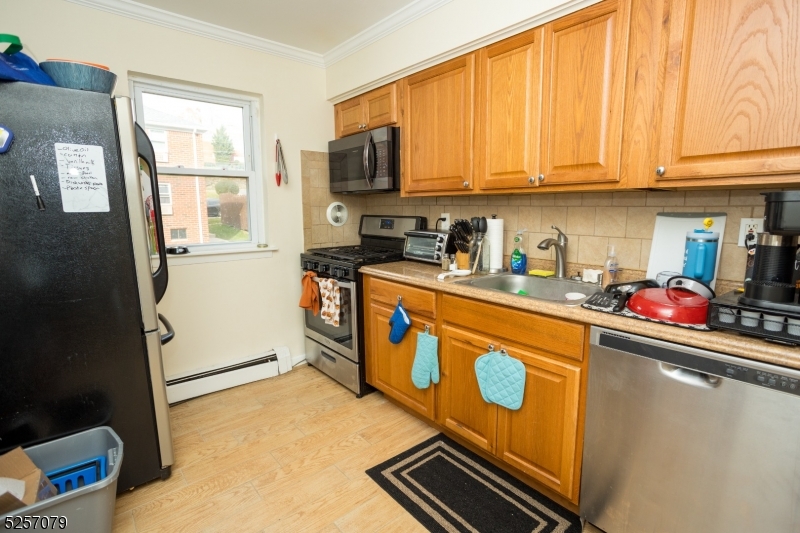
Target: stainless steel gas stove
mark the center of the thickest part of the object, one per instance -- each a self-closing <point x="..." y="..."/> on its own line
<point x="338" y="351"/>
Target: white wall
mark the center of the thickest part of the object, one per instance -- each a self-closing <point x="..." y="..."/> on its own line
<point x="455" y="28"/>
<point x="228" y="310"/>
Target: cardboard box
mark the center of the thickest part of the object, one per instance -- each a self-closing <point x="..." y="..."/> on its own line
<point x="17" y="465"/>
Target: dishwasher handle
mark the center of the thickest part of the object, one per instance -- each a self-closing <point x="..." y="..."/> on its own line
<point x="688" y="376"/>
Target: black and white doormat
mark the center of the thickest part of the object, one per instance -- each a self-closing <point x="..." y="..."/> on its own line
<point x="447" y="488"/>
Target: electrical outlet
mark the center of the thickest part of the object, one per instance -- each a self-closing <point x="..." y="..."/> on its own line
<point x="446" y="224"/>
<point x="748" y="225"/>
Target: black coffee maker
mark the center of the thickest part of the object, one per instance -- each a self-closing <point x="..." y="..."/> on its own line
<point x="769" y="306"/>
<point x="775" y="273"/>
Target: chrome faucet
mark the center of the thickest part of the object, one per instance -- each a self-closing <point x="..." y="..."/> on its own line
<point x="561" y="251"/>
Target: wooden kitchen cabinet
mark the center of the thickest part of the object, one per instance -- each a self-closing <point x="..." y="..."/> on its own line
<point x="730" y="112"/>
<point x="437" y="131"/>
<point x="370" y="110"/>
<point x="508" y="114"/>
<point x="461" y="408"/>
<point x="389" y="365"/>
<point x="540" y="438"/>
<point x="585" y="57"/>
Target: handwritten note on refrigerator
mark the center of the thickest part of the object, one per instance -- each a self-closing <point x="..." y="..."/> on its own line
<point x="82" y="175"/>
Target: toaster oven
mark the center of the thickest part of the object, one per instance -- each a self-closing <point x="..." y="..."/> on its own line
<point x="428" y="246"/>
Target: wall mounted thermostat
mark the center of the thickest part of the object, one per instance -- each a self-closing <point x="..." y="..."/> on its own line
<point x="6" y="138"/>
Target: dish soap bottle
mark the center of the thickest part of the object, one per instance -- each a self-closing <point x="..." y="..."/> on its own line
<point x="610" y="267"/>
<point x="519" y="260"/>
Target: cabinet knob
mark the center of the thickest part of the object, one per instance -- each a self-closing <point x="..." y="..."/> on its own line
<point x="541" y="178"/>
<point x="466" y="184"/>
<point x="503" y="351"/>
<point x="491" y="347"/>
<point x="660" y="171"/>
<point x="531" y="180"/>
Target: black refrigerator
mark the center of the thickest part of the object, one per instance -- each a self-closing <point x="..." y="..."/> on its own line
<point x="82" y="266"/>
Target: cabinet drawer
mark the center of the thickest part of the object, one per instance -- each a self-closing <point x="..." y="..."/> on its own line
<point x="544" y="333"/>
<point x="418" y="301"/>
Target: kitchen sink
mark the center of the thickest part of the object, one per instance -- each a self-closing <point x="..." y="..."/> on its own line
<point x="553" y="290"/>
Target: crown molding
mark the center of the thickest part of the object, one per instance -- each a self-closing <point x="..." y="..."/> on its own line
<point x="382" y="28"/>
<point x="542" y="18"/>
<point x="159" y="17"/>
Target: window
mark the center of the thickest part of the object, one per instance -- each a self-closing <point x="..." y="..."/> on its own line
<point x="165" y="198"/>
<point x="158" y="138"/>
<point x="206" y="145"/>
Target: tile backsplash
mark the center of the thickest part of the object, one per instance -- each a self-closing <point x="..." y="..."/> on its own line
<point x="592" y="221"/>
<point x="317" y="231"/>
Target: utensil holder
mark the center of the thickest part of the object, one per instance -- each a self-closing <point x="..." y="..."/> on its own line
<point x="462" y="261"/>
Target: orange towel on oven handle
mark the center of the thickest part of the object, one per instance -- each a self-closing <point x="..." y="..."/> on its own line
<point x="310" y="297"/>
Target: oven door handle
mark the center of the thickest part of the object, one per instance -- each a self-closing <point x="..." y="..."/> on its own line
<point x="345" y="284"/>
<point x="367" y="171"/>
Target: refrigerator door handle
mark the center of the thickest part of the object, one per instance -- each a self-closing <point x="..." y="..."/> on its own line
<point x="139" y="233"/>
<point x="160" y="404"/>
<point x="170" y="334"/>
<point x="145" y="150"/>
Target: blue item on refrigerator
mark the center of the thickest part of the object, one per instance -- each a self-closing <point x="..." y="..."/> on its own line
<point x="400" y="322"/>
<point x="19" y="67"/>
<point x="6" y="138"/>
<point x="700" y="255"/>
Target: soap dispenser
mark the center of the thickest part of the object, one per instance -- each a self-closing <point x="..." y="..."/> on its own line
<point x="519" y="259"/>
<point x="610" y="267"/>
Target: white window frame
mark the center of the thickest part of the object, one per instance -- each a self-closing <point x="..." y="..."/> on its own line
<point x="252" y="157"/>
<point x="165" y="142"/>
<point x="166" y="208"/>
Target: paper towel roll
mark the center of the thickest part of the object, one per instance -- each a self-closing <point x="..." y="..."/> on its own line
<point x="494" y="232"/>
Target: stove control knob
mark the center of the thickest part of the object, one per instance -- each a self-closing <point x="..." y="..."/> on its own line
<point x="345" y="272"/>
<point x="437" y="256"/>
<point x="325" y="268"/>
<point x="316" y="265"/>
<point x="308" y="265"/>
<point x="337" y="272"/>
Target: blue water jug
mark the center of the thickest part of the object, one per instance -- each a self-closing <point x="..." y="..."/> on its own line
<point x="700" y="256"/>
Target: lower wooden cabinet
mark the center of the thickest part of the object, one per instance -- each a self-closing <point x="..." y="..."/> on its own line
<point x="461" y="408"/>
<point x="540" y="438"/>
<point x="389" y="365"/>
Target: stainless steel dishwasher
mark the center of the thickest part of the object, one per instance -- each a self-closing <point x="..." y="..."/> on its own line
<point x="681" y="440"/>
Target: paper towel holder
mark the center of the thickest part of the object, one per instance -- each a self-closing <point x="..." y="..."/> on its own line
<point x="502" y="245"/>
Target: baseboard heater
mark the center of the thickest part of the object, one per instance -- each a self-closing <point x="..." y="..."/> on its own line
<point x="205" y="381"/>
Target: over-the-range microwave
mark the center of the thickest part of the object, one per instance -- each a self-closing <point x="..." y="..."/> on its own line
<point x="366" y="162"/>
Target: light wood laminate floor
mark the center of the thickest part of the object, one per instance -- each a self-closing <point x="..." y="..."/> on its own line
<point x="283" y="454"/>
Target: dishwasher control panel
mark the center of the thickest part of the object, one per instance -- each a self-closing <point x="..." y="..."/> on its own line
<point x="789" y="384"/>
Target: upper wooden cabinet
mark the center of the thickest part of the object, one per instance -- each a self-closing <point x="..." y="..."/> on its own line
<point x="583" y="94"/>
<point x="437" y="127"/>
<point x="508" y="118"/>
<point x="730" y="104"/>
<point x="371" y="110"/>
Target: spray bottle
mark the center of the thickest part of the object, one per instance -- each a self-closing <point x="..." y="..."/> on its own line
<point x="519" y="260"/>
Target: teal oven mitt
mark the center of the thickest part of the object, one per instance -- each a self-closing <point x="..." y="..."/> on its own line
<point x="400" y="322"/>
<point x="426" y="361"/>
<point x="501" y="379"/>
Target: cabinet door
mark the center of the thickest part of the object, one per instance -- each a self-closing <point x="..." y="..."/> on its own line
<point x="461" y="406"/>
<point x="582" y="106"/>
<point x="380" y="106"/>
<point x="508" y="122"/>
<point x="349" y="117"/>
<point x="540" y="438"/>
<point x="437" y="127"/>
<point x="731" y="105"/>
<point x="391" y="372"/>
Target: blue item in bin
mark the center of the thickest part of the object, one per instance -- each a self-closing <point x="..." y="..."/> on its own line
<point x="78" y="475"/>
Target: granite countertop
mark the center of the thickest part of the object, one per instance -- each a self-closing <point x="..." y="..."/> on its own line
<point x="422" y="275"/>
